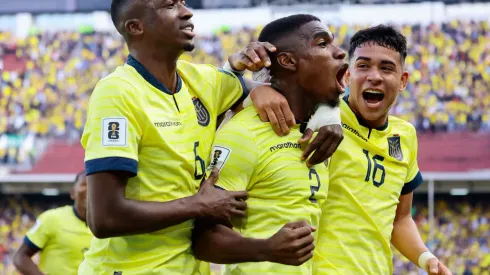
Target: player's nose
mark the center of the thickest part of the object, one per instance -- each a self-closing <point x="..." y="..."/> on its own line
<point x="374" y="76"/>
<point x="339" y="53"/>
<point x="185" y="13"/>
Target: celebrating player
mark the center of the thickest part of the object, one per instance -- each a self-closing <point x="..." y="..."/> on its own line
<point x="374" y="171"/>
<point x="285" y="196"/>
<point x="150" y="125"/>
<point x="60" y="235"/>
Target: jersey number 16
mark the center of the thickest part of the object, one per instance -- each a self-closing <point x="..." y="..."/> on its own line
<point x="377" y="166"/>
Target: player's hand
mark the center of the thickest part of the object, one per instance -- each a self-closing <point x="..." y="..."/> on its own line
<point x="435" y="267"/>
<point x="324" y="144"/>
<point x="219" y="204"/>
<point x="293" y="244"/>
<point x="253" y="57"/>
<point x="273" y="106"/>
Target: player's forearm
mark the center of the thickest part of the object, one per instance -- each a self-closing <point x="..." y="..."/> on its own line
<point x="25" y="265"/>
<point x="223" y="245"/>
<point x="406" y="239"/>
<point x="131" y="217"/>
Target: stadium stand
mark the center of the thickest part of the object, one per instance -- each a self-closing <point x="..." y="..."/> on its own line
<point x="47" y="79"/>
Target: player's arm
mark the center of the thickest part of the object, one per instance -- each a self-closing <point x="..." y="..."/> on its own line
<point x="405" y="236"/>
<point x="273" y="107"/>
<point x="23" y="260"/>
<point x="35" y="240"/>
<point x="111" y="159"/>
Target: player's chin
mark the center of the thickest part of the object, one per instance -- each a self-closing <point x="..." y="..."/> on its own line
<point x="189" y="46"/>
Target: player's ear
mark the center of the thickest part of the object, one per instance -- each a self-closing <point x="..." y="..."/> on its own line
<point x="72" y="192"/>
<point x="287" y="60"/>
<point x="133" y="27"/>
<point x="347" y="77"/>
<point x="404" y="80"/>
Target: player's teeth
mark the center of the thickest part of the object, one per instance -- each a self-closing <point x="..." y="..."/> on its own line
<point x="374" y="92"/>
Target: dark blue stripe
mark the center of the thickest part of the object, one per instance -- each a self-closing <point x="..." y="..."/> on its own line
<point x="31" y="244"/>
<point x="112" y="164"/>
<point x="151" y="78"/>
<point x="409" y="187"/>
<point x="219" y="187"/>
<point x="245" y="92"/>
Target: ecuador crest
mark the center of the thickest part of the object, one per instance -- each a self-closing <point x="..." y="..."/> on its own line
<point x="395" y="148"/>
<point x="202" y="113"/>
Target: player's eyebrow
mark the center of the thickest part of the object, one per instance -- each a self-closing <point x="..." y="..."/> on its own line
<point x="323" y="33"/>
<point x="384" y="61"/>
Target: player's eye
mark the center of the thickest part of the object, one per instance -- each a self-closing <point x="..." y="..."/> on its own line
<point x="323" y="44"/>
<point x="362" y="65"/>
<point x="184" y="3"/>
<point x="387" y="68"/>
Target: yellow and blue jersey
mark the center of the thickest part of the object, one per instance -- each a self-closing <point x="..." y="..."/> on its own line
<point x="135" y="124"/>
<point x="62" y="238"/>
<point x="368" y="173"/>
<point x="280" y="186"/>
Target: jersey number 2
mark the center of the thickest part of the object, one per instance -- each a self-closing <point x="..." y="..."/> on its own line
<point x="314" y="189"/>
<point x="377" y="167"/>
<point x="198" y="162"/>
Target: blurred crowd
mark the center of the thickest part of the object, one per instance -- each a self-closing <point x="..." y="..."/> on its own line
<point x="461" y="239"/>
<point x="47" y="78"/>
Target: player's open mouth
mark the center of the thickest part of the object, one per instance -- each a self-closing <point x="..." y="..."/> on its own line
<point x="373" y="98"/>
<point x="340" y="76"/>
<point x="188" y="29"/>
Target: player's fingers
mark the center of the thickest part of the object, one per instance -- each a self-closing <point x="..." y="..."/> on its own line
<point x="307" y="135"/>
<point x="240" y="205"/>
<point x="305" y="250"/>
<point x="305" y="241"/>
<point x="297" y="224"/>
<point x="274" y="123"/>
<point x="268" y="46"/>
<point x="250" y="53"/>
<point x="433" y="266"/>
<point x="444" y="270"/>
<point x="300" y="233"/>
<point x="312" y="146"/>
<point x="322" y="154"/>
<point x="263" y="55"/>
<point x="305" y="258"/>
<point x="288" y="114"/>
<point x="240" y="195"/>
<point x="238" y="213"/>
<point x="281" y="119"/>
<point x="213" y="177"/>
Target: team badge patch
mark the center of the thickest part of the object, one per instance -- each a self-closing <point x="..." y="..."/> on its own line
<point x="395" y="148"/>
<point x="114" y="131"/>
<point x="202" y="113"/>
<point x="219" y="156"/>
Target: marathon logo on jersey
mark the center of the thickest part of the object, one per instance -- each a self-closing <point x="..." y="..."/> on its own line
<point x="395" y="148"/>
<point x="114" y="131"/>
<point x="219" y="156"/>
<point x="285" y="146"/>
<point x="202" y="113"/>
<point x="163" y="124"/>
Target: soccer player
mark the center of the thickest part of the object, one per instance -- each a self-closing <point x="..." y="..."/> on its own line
<point x="285" y="196"/>
<point x="60" y="235"/>
<point x="374" y="171"/>
<point x="149" y="130"/>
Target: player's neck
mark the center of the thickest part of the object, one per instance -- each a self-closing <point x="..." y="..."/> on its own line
<point x="300" y="105"/>
<point x="163" y="66"/>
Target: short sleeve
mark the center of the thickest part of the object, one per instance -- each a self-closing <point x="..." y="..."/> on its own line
<point x="113" y="129"/>
<point x="39" y="235"/>
<point x="234" y="153"/>
<point x="414" y="177"/>
<point x="231" y="90"/>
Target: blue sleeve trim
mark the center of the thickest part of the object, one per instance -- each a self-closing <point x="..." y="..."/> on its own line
<point x="245" y="92"/>
<point x="112" y="164"/>
<point x="30" y="244"/>
<point x="409" y="187"/>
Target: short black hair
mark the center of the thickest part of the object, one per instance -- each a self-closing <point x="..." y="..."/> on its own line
<point x="116" y="8"/>
<point x="77" y="177"/>
<point x="381" y="35"/>
<point x="282" y="27"/>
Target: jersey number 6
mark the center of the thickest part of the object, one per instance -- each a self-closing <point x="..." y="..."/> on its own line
<point x="314" y="189"/>
<point x="377" y="167"/>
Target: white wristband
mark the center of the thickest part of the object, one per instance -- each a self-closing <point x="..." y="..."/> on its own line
<point x="424" y="257"/>
<point x="228" y="67"/>
<point x="324" y="115"/>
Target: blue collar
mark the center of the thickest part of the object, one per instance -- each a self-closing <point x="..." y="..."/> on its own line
<point x="77" y="215"/>
<point x="150" y="78"/>
<point x="361" y="120"/>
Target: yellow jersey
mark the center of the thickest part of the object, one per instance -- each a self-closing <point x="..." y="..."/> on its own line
<point x="281" y="187"/>
<point x="62" y="238"/>
<point x="368" y="173"/>
<point x="135" y="124"/>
